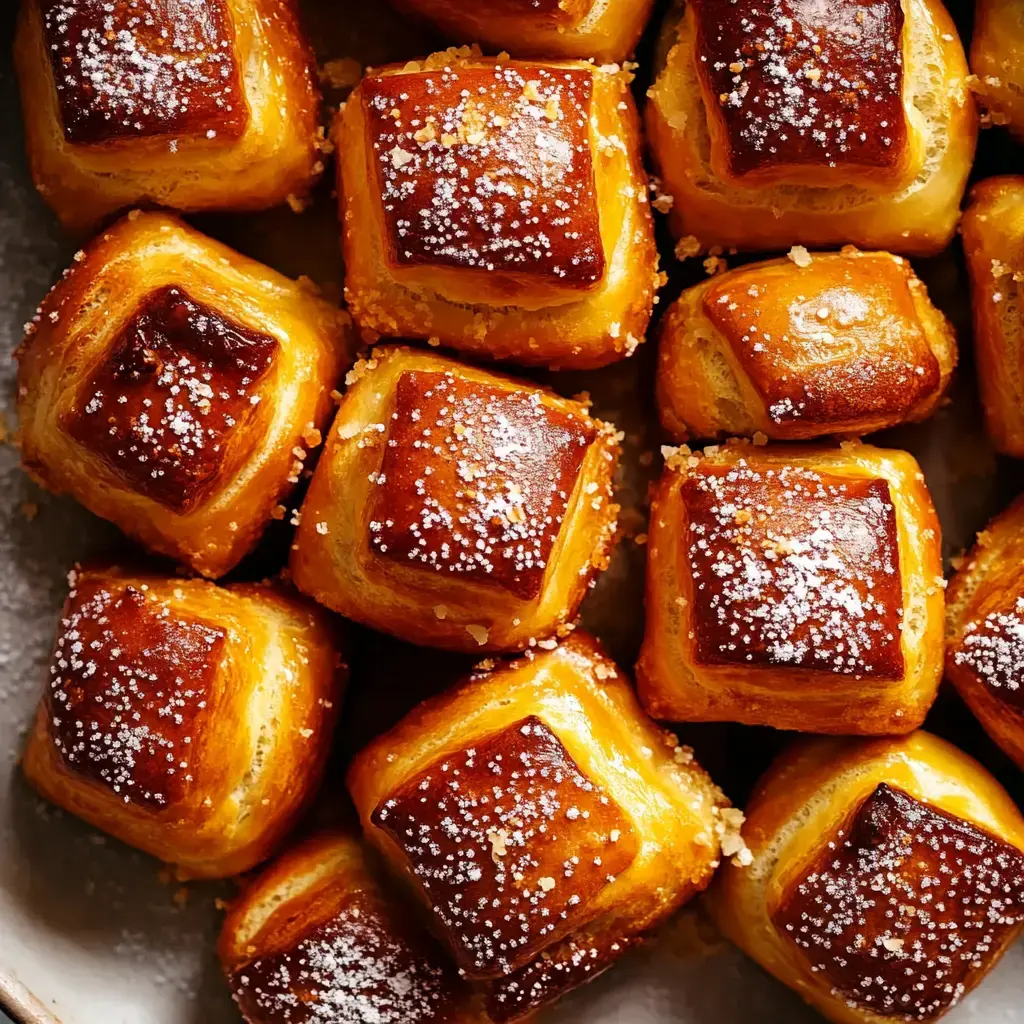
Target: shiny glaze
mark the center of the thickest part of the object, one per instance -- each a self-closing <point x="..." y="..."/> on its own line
<point x="794" y="568"/>
<point x="177" y="388"/>
<point x="126" y="69"/>
<point x="830" y="344"/>
<point x="488" y="169"/>
<point x="511" y="842"/>
<point x="903" y="906"/>
<point x="358" y="960"/>
<point x="129" y="685"/>
<point x="476" y="480"/>
<point x="991" y="648"/>
<point x="805" y="82"/>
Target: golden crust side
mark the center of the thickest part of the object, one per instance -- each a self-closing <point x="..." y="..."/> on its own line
<point x="79" y="320"/>
<point x="320" y="927"/>
<point x="605" y="325"/>
<point x="277" y="155"/>
<point x="806" y="795"/>
<point x="997" y="61"/>
<point x="885" y="355"/>
<point x="260" y="753"/>
<point x="918" y="220"/>
<point x="606" y="30"/>
<point x="583" y="699"/>
<point x="332" y="559"/>
<point x="989" y="583"/>
<point x="674" y="686"/>
<point x="993" y="236"/>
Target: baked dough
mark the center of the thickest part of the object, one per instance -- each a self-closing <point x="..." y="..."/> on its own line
<point x="861" y="128"/>
<point x="606" y="30"/>
<point x="321" y="935"/>
<point x="601" y="825"/>
<point x="985" y="630"/>
<point x="822" y="343"/>
<point x="512" y="224"/>
<point x="793" y="586"/>
<point x="997" y="60"/>
<point x="993" y="234"/>
<point x="173" y="387"/>
<point x="207" y="105"/>
<point x="887" y="877"/>
<point x="188" y="720"/>
<point x="454" y="507"/>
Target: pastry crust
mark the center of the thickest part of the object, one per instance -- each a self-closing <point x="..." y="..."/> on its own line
<point x="913" y="810"/>
<point x="985" y="630"/>
<point x="167" y="384"/>
<point x="822" y="343"/>
<point x="997" y="61"/>
<point x="606" y="30"/>
<point x="556" y="265"/>
<point x="226" y="119"/>
<point x="993" y="234"/>
<point x="606" y="825"/>
<point x="454" y="507"/>
<point x="796" y="587"/>
<point x="188" y="720"/>
<point x="321" y="933"/>
<point x="765" y="182"/>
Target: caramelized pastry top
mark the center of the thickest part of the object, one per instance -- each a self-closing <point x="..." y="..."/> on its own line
<point x="129" y="684"/>
<point x="138" y="68"/>
<point x="178" y="386"/>
<point x="794" y="568"/>
<point x="476" y="480"/>
<point x="358" y="966"/>
<point x="902" y="906"/>
<point x="510" y="841"/>
<point x="802" y="82"/>
<point x="992" y="649"/>
<point x="827" y="346"/>
<point x="488" y="169"/>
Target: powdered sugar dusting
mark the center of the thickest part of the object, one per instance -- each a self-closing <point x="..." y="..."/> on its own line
<point x="993" y="649"/>
<point x="905" y="906"/>
<point x="510" y="841"/>
<point x="127" y="68"/>
<point x="797" y="568"/>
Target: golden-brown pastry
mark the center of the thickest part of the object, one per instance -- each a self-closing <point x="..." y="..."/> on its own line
<point x="985" y="630"/>
<point x="821" y="343"/>
<point x="455" y="507"/>
<point x="798" y="587"/>
<point x="188" y="720"/>
<point x="211" y="104"/>
<point x="538" y="811"/>
<point x="606" y="30"/>
<point x="851" y="121"/>
<point x="499" y="207"/>
<point x="993" y="234"/>
<point x="887" y="877"/>
<point x="322" y="936"/>
<point x="173" y="387"/>
<point x="997" y="60"/>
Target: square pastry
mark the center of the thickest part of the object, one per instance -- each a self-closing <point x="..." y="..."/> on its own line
<point x="822" y="343"/>
<point x="455" y="507"/>
<point x="320" y="935"/>
<point x="192" y="104"/>
<point x="797" y="587"/>
<point x="985" y="630"/>
<point x="540" y="815"/>
<point x="775" y="122"/>
<point x="886" y="877"/>
<point x="174" y="387"/>
<point x="604" y="30"/>
<point x="190" y="721"/>
<point x="498" y="207"/>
